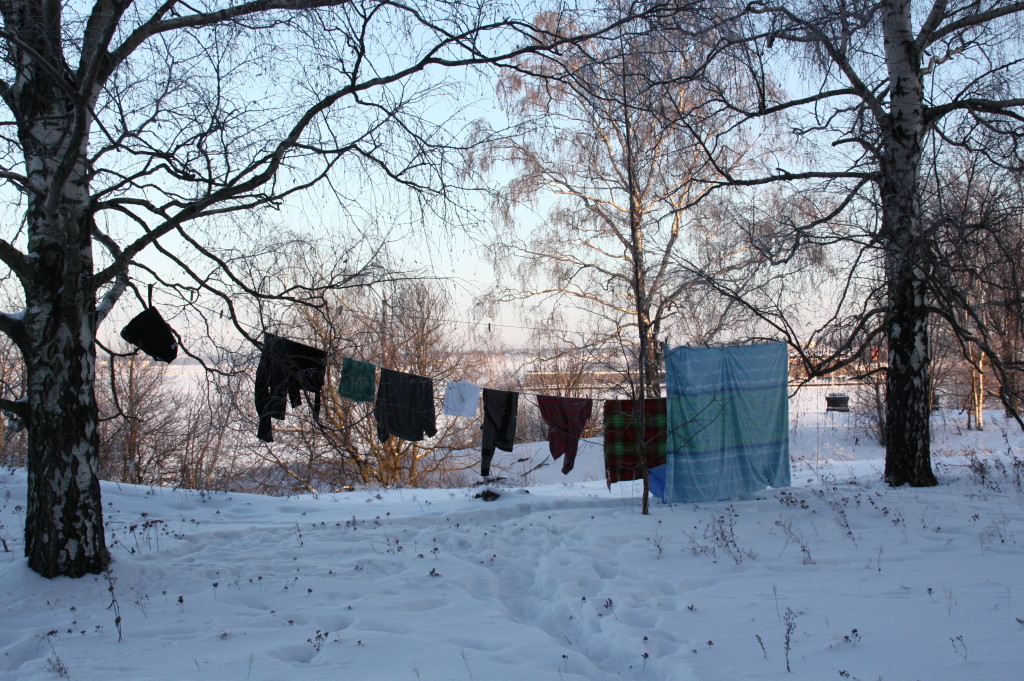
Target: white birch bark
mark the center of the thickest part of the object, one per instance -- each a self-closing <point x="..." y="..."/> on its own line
<point x="64" y="522"/>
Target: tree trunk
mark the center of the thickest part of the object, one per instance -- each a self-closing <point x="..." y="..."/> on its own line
<point x="1012" y="357"/>
<point x="978" y="390"/>
<point x="640" y="299"/>
<point x="908" y="442"/>
<point x="908" y="437"/>
<point x="64" y="521"/>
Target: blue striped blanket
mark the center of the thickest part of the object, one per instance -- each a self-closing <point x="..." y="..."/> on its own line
<point x="728" y="421"/>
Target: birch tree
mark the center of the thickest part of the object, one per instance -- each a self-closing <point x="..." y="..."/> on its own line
<point x="879" y="85"/>
<point x="614" y="139"/>
<point x="139" y="127"/>
<point x="618" y="137"/>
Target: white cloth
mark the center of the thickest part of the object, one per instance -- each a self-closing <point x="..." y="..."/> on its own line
<point x="461" y="399"/>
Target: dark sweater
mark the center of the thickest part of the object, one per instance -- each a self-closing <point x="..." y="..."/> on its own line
<point x="285" y="368"/>
<point x="404" y="406"/>
<point x="500" y="411"/>
<point x="150" y="333"/>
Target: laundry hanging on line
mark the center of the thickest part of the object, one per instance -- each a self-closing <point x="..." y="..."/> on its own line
<point x="704" y="444"/>
<point x="728" y="421"/>
<point x="286" y="367"/>
<point x="150" y="333"/>
<point x="566" y="418"/>
<point x="404" y="406"/>
<point x="625" y="455"/>
<point x="358" y="380"/>
<point x="461" y="399"/>
<point x="501" y="409"/>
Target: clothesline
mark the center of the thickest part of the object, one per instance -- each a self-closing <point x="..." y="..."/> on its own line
<point x="150" y="332"/>
<point x="336" y="355"/>
<point x="731" y="449"/>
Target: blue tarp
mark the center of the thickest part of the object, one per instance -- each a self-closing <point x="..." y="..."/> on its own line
<point x="728" y="421"/>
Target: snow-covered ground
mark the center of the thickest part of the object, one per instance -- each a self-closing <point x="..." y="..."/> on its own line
<point x="838" y="577"/>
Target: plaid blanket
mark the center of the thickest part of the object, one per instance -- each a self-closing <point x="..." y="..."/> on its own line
<point x="621" y="453"/>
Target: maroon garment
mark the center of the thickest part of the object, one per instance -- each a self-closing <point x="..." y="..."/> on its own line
<point x="566" y="418"/>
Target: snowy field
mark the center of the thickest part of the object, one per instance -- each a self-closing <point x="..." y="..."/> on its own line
<point x="839" y="577"/>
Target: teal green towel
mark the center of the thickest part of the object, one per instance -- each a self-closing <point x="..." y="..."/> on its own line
<point x="357" y="380"/>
